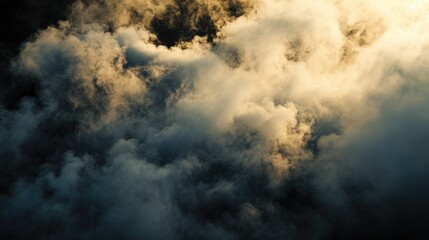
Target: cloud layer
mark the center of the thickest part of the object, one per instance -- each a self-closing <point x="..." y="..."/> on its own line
<point x="234" y="119"/>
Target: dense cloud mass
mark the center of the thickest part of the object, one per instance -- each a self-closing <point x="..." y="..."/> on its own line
<point x="221" y="119"/>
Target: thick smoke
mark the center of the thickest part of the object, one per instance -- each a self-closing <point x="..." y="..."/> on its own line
<point x="238" y="119"/>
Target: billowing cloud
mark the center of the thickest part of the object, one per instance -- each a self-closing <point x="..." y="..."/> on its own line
<point x="237" y="119"/>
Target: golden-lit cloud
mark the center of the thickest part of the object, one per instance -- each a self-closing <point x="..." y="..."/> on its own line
<point x="221" y="115"/>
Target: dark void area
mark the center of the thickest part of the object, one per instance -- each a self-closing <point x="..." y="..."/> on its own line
<point x="186" y="19"/>
<point x="21" y="19"/>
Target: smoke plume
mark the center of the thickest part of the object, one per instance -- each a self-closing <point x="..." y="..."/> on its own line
<point x="222" y="119"/>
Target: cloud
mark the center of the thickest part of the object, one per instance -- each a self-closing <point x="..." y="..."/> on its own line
<point x="220" y="120"/>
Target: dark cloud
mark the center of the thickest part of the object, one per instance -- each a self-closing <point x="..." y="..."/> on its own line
<point x="214" y="120"/>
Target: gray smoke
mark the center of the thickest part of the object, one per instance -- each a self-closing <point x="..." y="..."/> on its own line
<point x="241" y="119"/>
